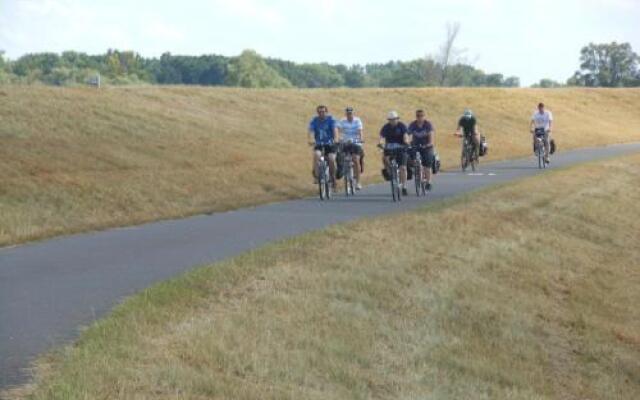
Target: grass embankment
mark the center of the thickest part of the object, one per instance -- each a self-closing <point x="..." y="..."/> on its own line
<point x="79" y="159"/>
<point x="527" y="291"/>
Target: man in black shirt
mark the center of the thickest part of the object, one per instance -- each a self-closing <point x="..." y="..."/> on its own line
<point x="422" y="133"/>
<point x="395" y="138"/>
<point x="467" y="125"/>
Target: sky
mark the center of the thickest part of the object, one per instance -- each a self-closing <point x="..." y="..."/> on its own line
<point x="530" y="39"/>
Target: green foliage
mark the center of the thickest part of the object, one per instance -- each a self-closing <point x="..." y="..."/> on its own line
<point x="251" y="71"/>
<point x="248" y="69"/>
<point x="607" y="65"/>
<point x="547" y="83"/>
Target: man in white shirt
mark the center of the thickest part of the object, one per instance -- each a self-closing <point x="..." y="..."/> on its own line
<point x="541" y="123"/>
<point x="350" y="129"/>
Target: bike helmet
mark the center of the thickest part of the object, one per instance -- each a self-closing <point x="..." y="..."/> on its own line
<point x="467" y="113"/>
<point x="392" y="115"/>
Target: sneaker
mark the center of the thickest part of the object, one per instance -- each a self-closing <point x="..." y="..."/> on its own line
<point x="404" y="191"/>
<point x="358" y="186"/>
<point x="428" y="187"/>
<point x="547" y="160"/>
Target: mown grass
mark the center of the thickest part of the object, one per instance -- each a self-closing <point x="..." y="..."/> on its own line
<point x="527" y="291"/>
<point x="75" y="159"/>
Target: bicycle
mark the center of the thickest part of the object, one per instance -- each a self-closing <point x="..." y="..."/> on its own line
<point x="347" y="170"/>
<point x="324" y="178"/>
<point x="418" y="173"/>
<point x="539" y="148"/>
<point x="394" y="173"/>
<point x="469" y="155"/>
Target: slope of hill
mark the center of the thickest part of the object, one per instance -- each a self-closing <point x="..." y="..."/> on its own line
<point x="76" y="159"/>
<point x="536" y="298"/>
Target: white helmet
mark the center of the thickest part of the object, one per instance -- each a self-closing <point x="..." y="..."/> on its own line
<point x="392" y="115"/>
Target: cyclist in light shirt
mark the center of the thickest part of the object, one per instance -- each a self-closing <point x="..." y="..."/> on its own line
<point x="541" y="123"/>
<point x="350" y="128"/>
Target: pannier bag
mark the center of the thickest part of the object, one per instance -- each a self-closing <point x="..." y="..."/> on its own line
<point x="484" y="147"/>
<point x="435" y="167"/>
<point x="385" y="174"/>
<point x="552" y="146"/>
<point x="339" y="161"/>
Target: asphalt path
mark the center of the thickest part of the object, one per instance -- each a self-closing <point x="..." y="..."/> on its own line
<point x="50" y="289"/>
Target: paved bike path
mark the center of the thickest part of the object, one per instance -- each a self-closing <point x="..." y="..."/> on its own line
<point x="48" y="290"/>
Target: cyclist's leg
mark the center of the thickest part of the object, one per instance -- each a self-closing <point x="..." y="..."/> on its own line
<point x="402" y="157"/>
<point x="356" y="165"/>
<point x="427" y="161"/>
<point x="317" y="153"/>
<point x="546" y="145"/>
<point x="331" y="157"/>
<point x="476" y="143"/>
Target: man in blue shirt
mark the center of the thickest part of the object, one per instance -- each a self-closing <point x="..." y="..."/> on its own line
<point x="323" y="136"/>
<point x="394" y="137"/>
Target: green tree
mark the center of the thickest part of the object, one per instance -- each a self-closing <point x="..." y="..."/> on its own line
<point x="251" y="71"/>
<point x="512" y="81"/>
<point x="607" y="64"/>
<point x="547" y="83"/>
<point x="495" y="80"/>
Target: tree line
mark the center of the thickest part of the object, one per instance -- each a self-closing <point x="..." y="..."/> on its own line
<point x="248" y="69"/>
<point x="602" y="65"/>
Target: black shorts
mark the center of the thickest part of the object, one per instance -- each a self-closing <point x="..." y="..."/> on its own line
<point x="540" y="132"/>
<point x="353" y="149"/>
<point x="400" y="155"/>
<point x="426" y="154"/>
<point x="326" y="148"/>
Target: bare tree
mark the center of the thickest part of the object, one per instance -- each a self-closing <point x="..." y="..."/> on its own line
<point x="448" y="53"/>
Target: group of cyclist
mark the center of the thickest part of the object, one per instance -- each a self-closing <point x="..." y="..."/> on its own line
<point x="328" y="136"/>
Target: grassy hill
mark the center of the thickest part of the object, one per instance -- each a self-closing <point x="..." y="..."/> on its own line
<point x="76" y="159"/>
<point x="527" y="292"/>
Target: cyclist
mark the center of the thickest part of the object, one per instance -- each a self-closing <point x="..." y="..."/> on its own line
<point x="468" y="125"/>
<point x="394" y="138"/>
<point x="323" y="135"/>
<point x="422" y="135"/>
<point x="350" y="129"/>
<point x="540" y="125"/>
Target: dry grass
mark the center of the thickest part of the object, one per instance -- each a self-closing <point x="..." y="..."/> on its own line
<point x="528" y="291"/>
<point x="74" y="159"/>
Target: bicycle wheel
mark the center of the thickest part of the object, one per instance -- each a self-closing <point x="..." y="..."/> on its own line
<point x="352" y="185"/>
<point x="321" y="179"/>
<point x="540" y="157"/>
<point x="393" y="171"/>
<point x="464" y="159"/>
<point x="417" y="178"/>
<point x="327" y="182"/>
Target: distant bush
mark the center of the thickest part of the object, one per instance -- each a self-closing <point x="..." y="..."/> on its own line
<point x="248" y="69"/>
